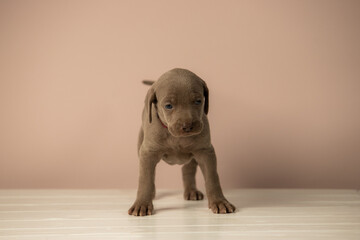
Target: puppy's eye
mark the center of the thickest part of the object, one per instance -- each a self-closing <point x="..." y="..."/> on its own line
<point x="198" y="102"/>
<point x="168" y="106"/>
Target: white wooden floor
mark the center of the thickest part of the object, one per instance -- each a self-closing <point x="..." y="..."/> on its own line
<point x="102" y="214"/>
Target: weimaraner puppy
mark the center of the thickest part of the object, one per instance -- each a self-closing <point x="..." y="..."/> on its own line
<point x="175" y="129"/>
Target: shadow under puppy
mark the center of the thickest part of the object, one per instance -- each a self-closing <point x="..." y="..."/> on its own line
<point x="175" y="129"/>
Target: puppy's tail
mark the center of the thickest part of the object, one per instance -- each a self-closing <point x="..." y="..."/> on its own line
<point x="148" y="82"/>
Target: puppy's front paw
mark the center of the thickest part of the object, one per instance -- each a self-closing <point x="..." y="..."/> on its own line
<point x="141" y="209"/>
<point x="221" y="206"/>
<point x="193" y="195"/>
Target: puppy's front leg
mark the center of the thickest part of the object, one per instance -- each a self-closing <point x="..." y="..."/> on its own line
<point x="146" y="190"/>
<point x="217" y="202"/>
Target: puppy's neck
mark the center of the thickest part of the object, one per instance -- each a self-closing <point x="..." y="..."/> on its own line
<point x="161" y="122"/>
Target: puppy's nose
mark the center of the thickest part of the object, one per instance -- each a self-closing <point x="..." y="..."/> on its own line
<point x="187" y="127"/>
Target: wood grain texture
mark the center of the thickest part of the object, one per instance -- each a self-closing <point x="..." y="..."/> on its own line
<point x="102" y="214"/>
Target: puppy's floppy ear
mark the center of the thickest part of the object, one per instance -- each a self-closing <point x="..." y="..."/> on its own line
<point x="206" y="95"/>
<point x="149" y="100"/>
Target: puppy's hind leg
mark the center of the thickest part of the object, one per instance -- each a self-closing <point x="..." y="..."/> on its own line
<point x="188" y="175"/>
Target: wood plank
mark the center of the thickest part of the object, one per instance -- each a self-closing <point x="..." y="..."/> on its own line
<point x="102" y="214"/>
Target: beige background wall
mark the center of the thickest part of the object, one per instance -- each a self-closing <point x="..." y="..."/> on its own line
<point x="284" y="79"/>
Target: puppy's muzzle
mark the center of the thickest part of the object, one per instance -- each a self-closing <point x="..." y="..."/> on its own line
<point x="186" y="128"/>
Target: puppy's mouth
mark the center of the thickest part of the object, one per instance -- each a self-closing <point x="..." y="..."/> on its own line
<point x="185" y="130"/>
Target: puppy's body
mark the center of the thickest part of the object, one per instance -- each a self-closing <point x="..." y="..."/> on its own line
<point x="175" y="129"/>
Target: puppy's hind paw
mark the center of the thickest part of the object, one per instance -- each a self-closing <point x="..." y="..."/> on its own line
<point x="193" y="195"/>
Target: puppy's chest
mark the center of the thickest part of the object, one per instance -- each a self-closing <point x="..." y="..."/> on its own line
<point x="177" y="157"/>
<point x="178" y="150"/>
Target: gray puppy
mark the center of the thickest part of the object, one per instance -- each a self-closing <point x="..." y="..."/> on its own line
<point x="175" y="129"/>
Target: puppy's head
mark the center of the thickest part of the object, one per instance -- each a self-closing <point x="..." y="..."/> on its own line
<point x="181" y="98"/>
